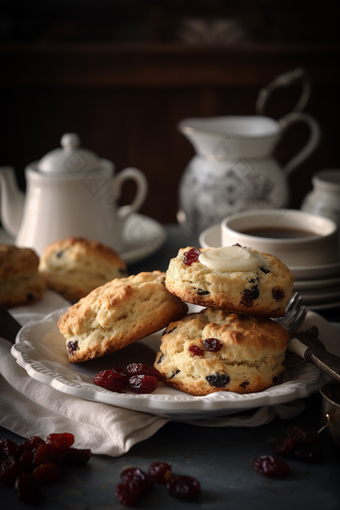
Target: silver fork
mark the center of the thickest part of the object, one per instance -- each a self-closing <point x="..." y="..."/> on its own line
<point x="315" y="354"/>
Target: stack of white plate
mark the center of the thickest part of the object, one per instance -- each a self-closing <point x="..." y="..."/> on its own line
<point x="319" y="286"/>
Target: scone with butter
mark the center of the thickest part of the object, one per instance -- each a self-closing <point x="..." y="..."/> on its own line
<point x="117" y="314"/>
<point x="74" y="267"/>
<point x="233" y="278"/>
<point x="20" y="281"/>
<point x="219" y="351"/>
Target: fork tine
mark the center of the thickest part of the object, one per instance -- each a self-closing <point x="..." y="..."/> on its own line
<point x="295" y="314"/>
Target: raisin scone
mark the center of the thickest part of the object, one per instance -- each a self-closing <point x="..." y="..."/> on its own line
<point x="20" y="281"/>
<point x="219" y="351"/>
<point x="74" y="267"/>
<point x="117" y="314"/>
<point x="234" y="279"/>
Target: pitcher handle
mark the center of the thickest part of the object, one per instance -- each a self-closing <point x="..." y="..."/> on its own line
<point x="312" y="143"/>
<point x="142" y="189"/>
<point x="285" y="80"/>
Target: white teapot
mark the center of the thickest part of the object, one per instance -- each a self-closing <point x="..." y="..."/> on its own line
<point x="71" y="192"/>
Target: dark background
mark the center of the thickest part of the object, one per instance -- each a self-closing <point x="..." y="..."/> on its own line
<point x="123" y="73"/>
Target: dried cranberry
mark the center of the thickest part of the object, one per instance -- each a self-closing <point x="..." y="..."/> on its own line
<point x="142" y="369"/>
<point x="76" y="456"/>
<point x="195" y="351"/>
<point x="8" y="448"/>
<point x="9" y="471"/>
<point x="307" y="452"/>
<point x="217" y="380"/>
<point x="302" y="435"/>
<point x="128" y="493"/>
<point x="143" y="383"/>
<point x="191" y="256"/>
<point x="30" y="444"/>
<point x="28" y="489"/>
<point x="60" y="441"/>
<point x="283" y="445"/>
<point x="110" y="380"/>
<point x="278" y="294"/>
<point x="138" y="476"/>
<point x="184" y="487"/>
<point x="212" y="344"/>
<point x="47" y="453"/>
<point x="160" y="472"/>
<point x="47" y="472"/>
<point x="26" y="461"/>
<point x="270" y="465"/>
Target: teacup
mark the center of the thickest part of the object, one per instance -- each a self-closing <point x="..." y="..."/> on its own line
<point x="295" y="237"/>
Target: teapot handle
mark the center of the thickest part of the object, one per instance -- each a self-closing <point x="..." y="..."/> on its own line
<point x="312" y="143"/>
<point x="285" y="80"/>
<point x="142" y="189"/>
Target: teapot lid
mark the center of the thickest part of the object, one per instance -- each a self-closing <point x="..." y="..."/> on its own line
<point x="69" y="158"/>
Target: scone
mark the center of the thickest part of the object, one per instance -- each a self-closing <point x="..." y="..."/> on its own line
<point x="20" y="281"/>
<point x="262" y="291"/>
<point x="117" y="314"/>
<point x="219" y="351"/>
<point x="74" y="267"/>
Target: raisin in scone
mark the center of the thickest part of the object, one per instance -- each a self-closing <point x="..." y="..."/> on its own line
<point x="219" y="351"/>
<point x="254" y="283"/>
<point x="117" y="314"/>
<point x="20" y="281"/>
<point x="74" y="267"/>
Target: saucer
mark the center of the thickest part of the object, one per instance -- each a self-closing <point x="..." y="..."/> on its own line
<point x="212" y="237"/>
<point x="143" y="236"/>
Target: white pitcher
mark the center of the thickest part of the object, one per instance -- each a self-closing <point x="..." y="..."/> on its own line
<point x="234" y="169"/>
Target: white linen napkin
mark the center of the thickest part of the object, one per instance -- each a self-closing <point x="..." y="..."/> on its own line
<point x="28" y="407"/>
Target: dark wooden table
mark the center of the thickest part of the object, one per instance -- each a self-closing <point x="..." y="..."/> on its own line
<point x="220" y="458"/>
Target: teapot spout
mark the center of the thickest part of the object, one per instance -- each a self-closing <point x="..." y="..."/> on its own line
<point x="12" y="201"/>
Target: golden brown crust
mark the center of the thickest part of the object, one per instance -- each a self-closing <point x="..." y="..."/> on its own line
<point x="74" y="267"/>
<point x="117" y="314"/>
<point x="20" y="281"/>
<point x="250" y="358"/>
<point x="261" y="293"/>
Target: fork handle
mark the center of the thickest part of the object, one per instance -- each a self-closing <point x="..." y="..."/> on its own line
<point x="325" y="361"/>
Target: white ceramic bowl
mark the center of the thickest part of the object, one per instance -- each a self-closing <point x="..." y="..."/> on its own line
<point x="321" y="247"/>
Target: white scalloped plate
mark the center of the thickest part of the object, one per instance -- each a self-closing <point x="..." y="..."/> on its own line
<point x="40" y="350"/>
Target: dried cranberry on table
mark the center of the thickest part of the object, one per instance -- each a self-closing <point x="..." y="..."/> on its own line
<point x="31" y="444"/>
<point x="28" y="489"/>
<point x="184" y="487"/>
<point x="283" y="445"/>
<point x="160" y="472"/>
<point x="128" y="493"/>
<point x="37" y="461"/>
<point x="47" y="472"/>
<point x="61" y="441"/>
<point x="144" y="480"/>
<point x="9" y="471"/>
<point x="7" y="448"/>
<point x="302" y="435"/>
<point x="270" y="465"/>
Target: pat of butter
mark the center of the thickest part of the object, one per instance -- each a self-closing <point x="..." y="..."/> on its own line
<point x="231" y="258"/>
